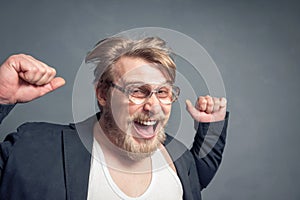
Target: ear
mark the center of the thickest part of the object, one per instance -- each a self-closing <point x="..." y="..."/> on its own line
<point x="101" y="96"/>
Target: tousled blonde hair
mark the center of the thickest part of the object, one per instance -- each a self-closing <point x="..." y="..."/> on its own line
<point x="110" y="50"/>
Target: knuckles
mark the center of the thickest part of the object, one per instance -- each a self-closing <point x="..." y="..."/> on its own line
<point x="209" y="103"/>
<point x="17" y="57"/>
<point x="31" y="69"/>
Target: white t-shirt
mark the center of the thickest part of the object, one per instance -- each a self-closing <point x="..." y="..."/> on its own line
<point x="165" y="183"/>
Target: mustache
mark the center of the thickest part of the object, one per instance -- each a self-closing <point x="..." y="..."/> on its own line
<point x="143" y="116"/>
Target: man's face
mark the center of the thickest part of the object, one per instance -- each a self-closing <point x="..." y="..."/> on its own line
<point x="136" y="128"/>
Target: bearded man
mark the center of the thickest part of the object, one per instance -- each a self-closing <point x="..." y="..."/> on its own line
<point x="123" y="152"/>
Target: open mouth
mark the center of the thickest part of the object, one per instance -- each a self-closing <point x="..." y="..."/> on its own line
<point x="146" y="129"/>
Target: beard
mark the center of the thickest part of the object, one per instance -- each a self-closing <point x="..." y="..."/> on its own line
<point x="134" y="148"/>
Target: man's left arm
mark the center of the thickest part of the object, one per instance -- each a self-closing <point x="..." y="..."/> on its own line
<point x="211" y="118"/>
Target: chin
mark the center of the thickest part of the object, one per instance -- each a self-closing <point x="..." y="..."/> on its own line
<point x="141" y="148"/>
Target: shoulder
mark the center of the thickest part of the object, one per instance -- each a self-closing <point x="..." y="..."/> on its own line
<point x="31" y="133"/>
<point x="171" y="141"/>
<point x="35" y="127"/>
<point x="32" y="140"/>
<point x="177" y="150"/>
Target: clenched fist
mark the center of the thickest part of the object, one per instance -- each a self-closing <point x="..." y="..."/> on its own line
<point x="207" y="109"/>
<point x="24" y="78"/>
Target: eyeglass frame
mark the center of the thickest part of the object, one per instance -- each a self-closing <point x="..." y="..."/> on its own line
<point x="127" y="92"/>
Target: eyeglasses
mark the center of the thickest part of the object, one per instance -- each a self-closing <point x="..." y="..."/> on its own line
<point x="140" y="93"/>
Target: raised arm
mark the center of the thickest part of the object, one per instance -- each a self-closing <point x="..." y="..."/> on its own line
<point x="22" y="79"/>
<point x="210" y="115"/>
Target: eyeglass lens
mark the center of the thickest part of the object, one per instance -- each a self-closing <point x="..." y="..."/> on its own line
<point x="139" y="94"/>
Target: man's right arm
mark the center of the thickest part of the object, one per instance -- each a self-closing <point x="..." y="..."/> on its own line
<point x="23" y="79"/>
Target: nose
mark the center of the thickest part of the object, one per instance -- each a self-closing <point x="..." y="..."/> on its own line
<point x="152" y="104"/>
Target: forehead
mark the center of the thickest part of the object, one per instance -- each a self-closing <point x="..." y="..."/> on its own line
<point x="138" y="70"/>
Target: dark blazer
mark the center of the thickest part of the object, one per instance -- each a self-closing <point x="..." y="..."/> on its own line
<point x="51" y="161"/>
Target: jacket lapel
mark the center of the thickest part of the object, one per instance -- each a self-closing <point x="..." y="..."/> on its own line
<point x="181" y="162"/>
<point x="77" y="146"/>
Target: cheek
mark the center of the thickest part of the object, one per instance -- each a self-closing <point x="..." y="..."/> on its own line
<point x="167" y="110"/>
<point x="132" y="108"/>
<point x="119" y="109"/>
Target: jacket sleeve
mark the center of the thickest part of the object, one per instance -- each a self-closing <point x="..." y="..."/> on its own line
<point x="7" y="144"/>
<point x="208" y="147"/>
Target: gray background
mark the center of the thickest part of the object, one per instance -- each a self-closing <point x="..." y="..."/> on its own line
<point x="255" y="44"/>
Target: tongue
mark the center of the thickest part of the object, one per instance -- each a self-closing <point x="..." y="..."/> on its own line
<point x="143" y="131"/>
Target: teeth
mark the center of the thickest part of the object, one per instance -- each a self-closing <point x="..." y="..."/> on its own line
<point x="147" y="123"/>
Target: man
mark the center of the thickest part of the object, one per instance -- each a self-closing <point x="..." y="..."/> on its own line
<point x="122" y="154"/>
